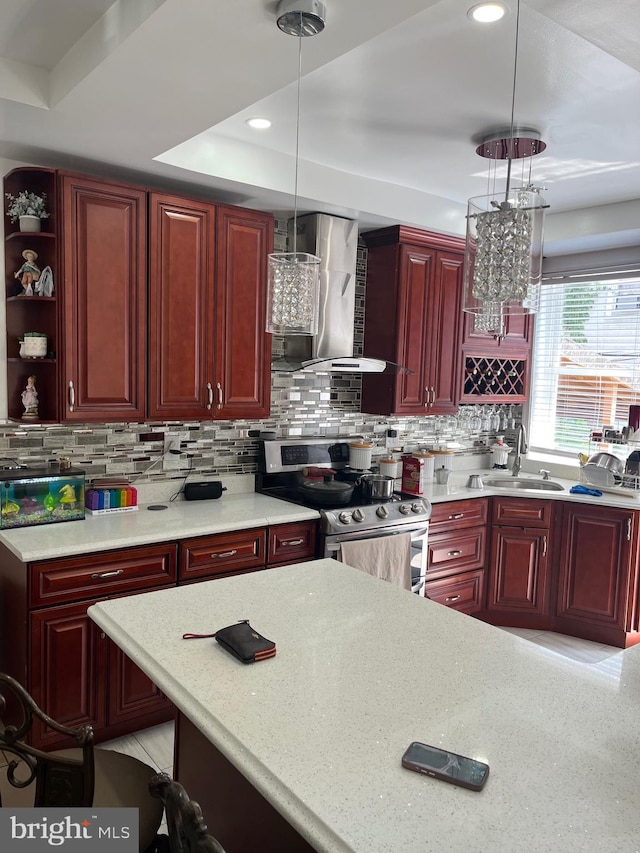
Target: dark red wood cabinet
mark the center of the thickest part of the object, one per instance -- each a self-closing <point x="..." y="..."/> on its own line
<point x="457" y="554"/>
<point x="597" y="573"/>
<point x="181" y="307"/>
<point x="243" y="347"/>
<point x="103" y="300"/>
<point x="518" y="588"/>
<point x="413" y="316"/>
<point x="162" y="322"/>
<point x="49" y="643"/>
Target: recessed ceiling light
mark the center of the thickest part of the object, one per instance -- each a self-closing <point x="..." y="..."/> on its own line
<point x="487" y="13"/>
<point x="259" y="123"/>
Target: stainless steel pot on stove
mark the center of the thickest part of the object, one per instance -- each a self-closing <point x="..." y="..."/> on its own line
<point x="377" y="487"/>
<point x="326" y="492"/>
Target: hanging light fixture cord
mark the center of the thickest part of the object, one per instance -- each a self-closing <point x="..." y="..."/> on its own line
<point x="513" y="102"/>
<point x="295" y="182"/>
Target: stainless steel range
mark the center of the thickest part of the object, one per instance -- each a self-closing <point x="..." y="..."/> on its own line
<point x="288" y="465"/>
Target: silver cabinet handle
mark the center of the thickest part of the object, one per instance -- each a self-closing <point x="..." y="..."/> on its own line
<point x="452" y="598"/>
<point x="219" y="387"/>
<point x="428" y="395"/>
<point x="72" y="396"/>
<point x="544" y="546"/>
<point x="433" y="400"/>
<point x="456" y="515"/>
<point x="223" y="554"/>
<point x="291" y="542"/>
<point x="210" y="394"/>
<point x="98" y="576"/>
<point x="628" y="530"/>
<point x="454" y="553"/>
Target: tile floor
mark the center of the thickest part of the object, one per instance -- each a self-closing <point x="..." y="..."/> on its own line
<point x="155" y="745"/>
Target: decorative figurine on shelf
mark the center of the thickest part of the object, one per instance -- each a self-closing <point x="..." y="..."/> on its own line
<point x="44" y="285"/>
<point x="29" y="272"/>
<point x="30" y="400"/>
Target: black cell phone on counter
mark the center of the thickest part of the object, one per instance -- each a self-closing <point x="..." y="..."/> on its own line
<point x="445" y="765"/>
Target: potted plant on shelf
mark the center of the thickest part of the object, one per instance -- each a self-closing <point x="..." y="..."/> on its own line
<point x="27" y="208"/>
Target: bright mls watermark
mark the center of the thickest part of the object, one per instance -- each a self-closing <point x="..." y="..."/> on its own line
<point x="78" y="829"/>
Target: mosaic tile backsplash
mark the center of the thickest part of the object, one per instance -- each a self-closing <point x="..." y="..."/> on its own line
<point x="301" y="405"/>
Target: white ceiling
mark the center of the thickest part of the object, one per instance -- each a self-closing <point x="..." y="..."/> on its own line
<point x="392" y="97"/>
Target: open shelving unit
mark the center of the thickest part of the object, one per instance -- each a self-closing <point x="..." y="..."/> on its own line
<point x="32" y="313"/>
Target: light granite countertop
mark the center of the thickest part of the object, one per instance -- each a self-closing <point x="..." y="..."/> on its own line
<point x="238" y="511"/>
<point x="181" y="519"/>
<point x="363" y="668"/>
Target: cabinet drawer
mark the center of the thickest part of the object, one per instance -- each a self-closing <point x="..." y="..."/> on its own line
<point x="463" y="592"/>
<point x="464" y="549"/>
<point x="292" y="542"/>
<point x="456" y="514"/>
<point x="89" y="575"/>
<point x="209" y="556"/>
<point x="522" y="512"/>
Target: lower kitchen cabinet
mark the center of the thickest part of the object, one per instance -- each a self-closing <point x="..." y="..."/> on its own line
<point x="457" y="554"/>
<point x="238" y="551"/>
<point x="292" y="543"/>
<point x="463" y="591"/>
<point x="518" y="571"/>
<point x="79" y="677"/>
<point x="51" y="646"/>
<point x="598" y="573"/>
<point x="222" y="554"/>
<point x="518" y="585"/>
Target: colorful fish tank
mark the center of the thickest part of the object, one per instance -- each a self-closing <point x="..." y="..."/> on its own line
<point x="34" y="497"/>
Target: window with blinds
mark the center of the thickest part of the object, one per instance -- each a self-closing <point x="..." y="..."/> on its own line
<point x="586" y="360"/>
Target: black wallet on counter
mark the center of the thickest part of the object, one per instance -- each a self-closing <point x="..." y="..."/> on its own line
<point x="242" y="641"/>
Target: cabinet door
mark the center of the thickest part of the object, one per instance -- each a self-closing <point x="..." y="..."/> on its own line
<point x="132" y="694"/>
<point x="443" y="333"/>
<point x="595" y="565"/>
<point x="518" y="571"/>
<point x="67" y="670"/>
<point x="181" y="315"/>
<point x="243" y="347"/>
<point x="517" y="336"/>
<point x="416" y="271"/>
<point x="104" y="300"/>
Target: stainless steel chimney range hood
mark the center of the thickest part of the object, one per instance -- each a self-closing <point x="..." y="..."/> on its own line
<point x="335" y="241"/>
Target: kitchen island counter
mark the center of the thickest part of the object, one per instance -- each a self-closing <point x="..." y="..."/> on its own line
<point x="364" y="668"/>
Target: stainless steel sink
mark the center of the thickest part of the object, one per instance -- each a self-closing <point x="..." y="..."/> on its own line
<point x="521" y="483"/>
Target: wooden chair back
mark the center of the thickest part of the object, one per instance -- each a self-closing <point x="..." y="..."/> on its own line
<point x="60" y="781"/>
<point x="186" y="829"/>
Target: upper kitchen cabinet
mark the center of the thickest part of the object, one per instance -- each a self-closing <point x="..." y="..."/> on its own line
<point x="103" y="293"/>
<point x="496" y="367"/>
<point x="413" y="315"/>
<point x="181" y="307"/>
<point x="165" y="322"/>
<point x="244" y="239"/>
<point x="209" y="353"/>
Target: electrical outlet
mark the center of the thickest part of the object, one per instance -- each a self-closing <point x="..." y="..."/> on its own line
<point x="171" y="441"/>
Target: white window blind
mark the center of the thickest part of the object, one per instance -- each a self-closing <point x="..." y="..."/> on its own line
<point x="586" y="360"/>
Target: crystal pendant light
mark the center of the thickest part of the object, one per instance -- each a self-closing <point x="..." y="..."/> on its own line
<point x="503" y="252"/>
<point x="293" y="289"/>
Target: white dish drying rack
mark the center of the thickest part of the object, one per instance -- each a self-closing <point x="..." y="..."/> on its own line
<point x="629" y="484"/>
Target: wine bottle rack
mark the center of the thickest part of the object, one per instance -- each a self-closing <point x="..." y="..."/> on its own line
<point x="485" y="376"/>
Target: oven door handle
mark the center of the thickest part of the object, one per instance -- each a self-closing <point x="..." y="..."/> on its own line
<point x="333" y="543"/>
